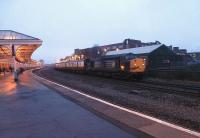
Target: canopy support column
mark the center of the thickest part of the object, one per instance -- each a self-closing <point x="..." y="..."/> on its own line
<point x="15" y="74"/>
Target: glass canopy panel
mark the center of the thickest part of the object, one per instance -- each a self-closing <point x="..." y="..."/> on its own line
<point x="5" y="52"/>
<point x="12" y="35"/>
<point x="24" y="53"/>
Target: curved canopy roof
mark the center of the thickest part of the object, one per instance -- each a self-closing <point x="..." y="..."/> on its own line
<point x="24" y="45"/>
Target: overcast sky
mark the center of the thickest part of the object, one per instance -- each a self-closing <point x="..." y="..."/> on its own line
<point x="64" y="25"/>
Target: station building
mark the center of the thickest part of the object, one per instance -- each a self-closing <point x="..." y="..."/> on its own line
<point x="98" y="51"/>
<point x="159" y="56"/>
<point x="16" y="50"/>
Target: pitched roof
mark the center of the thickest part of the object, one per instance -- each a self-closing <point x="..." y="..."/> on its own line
<point x="117" y="55"/>
<point x="137" y="50"/>
<point x="12" y="35"/>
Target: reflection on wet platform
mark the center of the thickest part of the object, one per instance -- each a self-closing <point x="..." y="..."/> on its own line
<point x="28" y="108"/>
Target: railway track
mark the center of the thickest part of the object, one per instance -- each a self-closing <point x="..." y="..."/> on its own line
<point x="167" y="88"/>
<point x="182" y="86"/>
<point x="159" y="87"/>
<point x="152" y="86"/>
<point x="163" y="88"/>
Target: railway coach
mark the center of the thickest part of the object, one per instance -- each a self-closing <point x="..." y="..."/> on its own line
<point x="72" y="65"/>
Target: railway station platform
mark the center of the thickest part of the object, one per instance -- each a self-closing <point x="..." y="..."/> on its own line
<point x="16" y="51"/>
<point x="29" y="109"/>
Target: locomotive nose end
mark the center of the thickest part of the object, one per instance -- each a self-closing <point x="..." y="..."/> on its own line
<point x="138" y="65"/>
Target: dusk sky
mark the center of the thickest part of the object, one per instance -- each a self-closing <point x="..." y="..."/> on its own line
<point x="64" y="25"/>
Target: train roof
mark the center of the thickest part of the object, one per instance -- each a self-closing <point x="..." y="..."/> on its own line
<point x="137" y="50"/>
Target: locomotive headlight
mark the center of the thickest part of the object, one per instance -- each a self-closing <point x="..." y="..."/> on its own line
<point x="122" y="67"/>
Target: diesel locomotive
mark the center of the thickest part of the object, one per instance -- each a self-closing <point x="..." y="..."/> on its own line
<point x="114" y="65"/>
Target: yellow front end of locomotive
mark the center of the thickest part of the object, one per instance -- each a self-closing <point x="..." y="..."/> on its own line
<point x="138" y="65"/>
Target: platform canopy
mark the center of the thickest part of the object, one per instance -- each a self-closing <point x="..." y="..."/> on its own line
<point x="24" y="45"/>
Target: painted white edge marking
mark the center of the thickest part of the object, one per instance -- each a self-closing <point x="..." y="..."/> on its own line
<point x="125" y="109"/>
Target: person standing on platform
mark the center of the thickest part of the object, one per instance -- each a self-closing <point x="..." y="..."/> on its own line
<point x="0" y="70"/>
<point x="11" y="69"/>
<point x="4" y="71"/>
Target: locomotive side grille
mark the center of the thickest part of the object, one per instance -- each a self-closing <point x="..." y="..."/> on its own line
<point x="109" y="64"/>
<point x="97" y="64"/>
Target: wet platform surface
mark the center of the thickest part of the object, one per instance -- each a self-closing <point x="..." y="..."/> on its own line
<point x="28" y="109"/>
